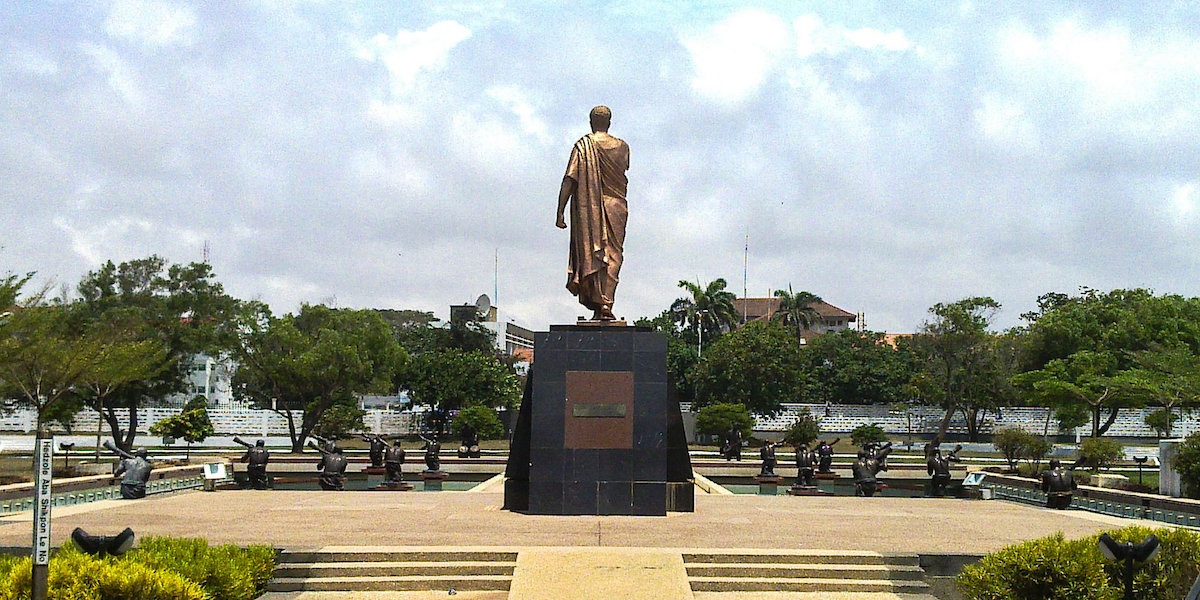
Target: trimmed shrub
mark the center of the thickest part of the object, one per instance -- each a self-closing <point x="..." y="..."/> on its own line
<point x="802" y="432"/>
<point x="864" y="434"/>
<point x="717" y="419"/>
<point x="1055" y="568"/>
<point x="483" y="418"/>
<point x="159" y="569"/>
<point x="1099" y="452"/>
<point x="225" y="572"/>
<point x="1187" y="462"/>
<point x="78" y="576"/>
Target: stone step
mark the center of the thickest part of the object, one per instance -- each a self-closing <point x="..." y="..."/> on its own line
<point x="845" y="557"/>
<point x="802" y="571"/>
<point x="805" y="584"/>
<point x="378" y="568"/>
<point x="385" y="555"/>
<point x="397" y="583"/>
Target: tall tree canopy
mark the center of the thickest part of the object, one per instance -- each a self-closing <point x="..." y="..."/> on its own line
<point x="182" y="307"/>
<point x="708" y="311"/>
<point x="313" y="360"/>
<point x="853" y="367"/>
<point x="1084" y="350"/>
<point x="449" y="380"/>
<point x="757" y="366"/>
<point x="957" y="356"/>
<point x="797" y="310"/>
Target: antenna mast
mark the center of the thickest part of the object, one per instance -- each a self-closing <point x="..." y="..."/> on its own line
<point x="745" y="277"/>
<point x="205" y="260"/>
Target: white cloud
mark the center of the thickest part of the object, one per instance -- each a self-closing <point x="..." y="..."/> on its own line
<point x="151" y="22"/>
<point x="97" y="242"/>
<point x="814" y="37"/>
<point x="409" y="53"/>
<point x="1005" y="123"/>
<point x="1184" y="200"/>
<point x="733" y="58"/>
<point x="121" y="77"/>
<point x="516" y="100"/>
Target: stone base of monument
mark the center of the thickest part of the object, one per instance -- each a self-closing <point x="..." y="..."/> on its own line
<point x="829" y="475"/>
<point x="599" y="432"/>
<point x="375" y="470"/>
<point x="768" y="485"/>
<point x="433" y="480"/>
<point x="806" y="490"/>
<point x="393" y="486"/>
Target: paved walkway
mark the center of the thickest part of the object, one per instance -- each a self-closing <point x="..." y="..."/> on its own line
<point x="310" y="519"/>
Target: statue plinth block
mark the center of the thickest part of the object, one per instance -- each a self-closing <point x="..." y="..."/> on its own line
<point x="375" y="470"/>
<point x="434" y="475"/>
<point x="829" y="475"/>
<point x="768" y="485"/>
<point x="598" y="432"/>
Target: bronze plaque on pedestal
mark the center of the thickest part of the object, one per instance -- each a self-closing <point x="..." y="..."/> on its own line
<point x="599" y="409"/>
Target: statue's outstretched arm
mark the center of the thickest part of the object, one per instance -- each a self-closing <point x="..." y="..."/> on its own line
<point x="114" y="449"/>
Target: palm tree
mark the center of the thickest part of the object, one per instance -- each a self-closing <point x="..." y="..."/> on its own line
<point x="709" y="310"/>
<point x="797" y="311"/>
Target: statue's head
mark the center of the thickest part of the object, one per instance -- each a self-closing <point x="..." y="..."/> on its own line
<point x="1055" y="463"/>
<point x="260" y="443"/>
<point x="600" y="118"/>
<point x="862" y="453"/>
<point x="336" y="450"/>
<point x="142" y="453"/>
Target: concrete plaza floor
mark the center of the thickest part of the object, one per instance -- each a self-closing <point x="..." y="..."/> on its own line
<point x="311" y="519"/>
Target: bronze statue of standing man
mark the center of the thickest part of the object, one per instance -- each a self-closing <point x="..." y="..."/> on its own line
<point x="595" y="186"/>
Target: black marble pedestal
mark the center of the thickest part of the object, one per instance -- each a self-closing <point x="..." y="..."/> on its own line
<point x="599" y="432"/>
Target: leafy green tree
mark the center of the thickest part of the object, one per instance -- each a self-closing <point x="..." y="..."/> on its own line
<point x="483" y="418"/>
<point x="1187" y="463"/>
<point x="192" y="426"/>
<point x="802" y="432"/>
<point x="1161" y="421"/>
<point x="1015" y="443"/>
<point x="1166" y="376"/>
<point x="182" y="307"/>
<point x="313" y="360"/>
<point x="340" y="420"/>
<point x="42" y="359"/>
<point x="1081" y="379"/>
<point x="854" y="367"/>
<point x="864" y="434"/>
<point x="961" y="361"/>
<point x="707" y="311"/>
<point x="451" y="380"/>
<point x="1087" y="349"/>
<point x="1098" y="452"/>
<point x="757" y="366"/>
<point x="797" y="310"/>
<point x="716" y="419"/>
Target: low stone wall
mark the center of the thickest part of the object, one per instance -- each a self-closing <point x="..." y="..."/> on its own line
<point x="69" y="491"/>
<point x="1178" y="511"/>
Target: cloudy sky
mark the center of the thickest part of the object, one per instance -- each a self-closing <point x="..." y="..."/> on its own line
<point x="885" y="156"/>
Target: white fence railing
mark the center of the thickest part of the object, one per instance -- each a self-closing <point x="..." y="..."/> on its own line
<point x="246" y="421"/>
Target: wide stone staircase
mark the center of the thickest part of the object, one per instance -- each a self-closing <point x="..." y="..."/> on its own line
<point x="804" y="571"/>
<point x="388" y="569"/>
<point x="599" y="572"/>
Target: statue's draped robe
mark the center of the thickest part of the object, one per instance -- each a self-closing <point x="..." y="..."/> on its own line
<point x="598" y="215"/>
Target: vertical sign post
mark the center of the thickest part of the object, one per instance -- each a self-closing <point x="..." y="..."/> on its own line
<point x="43" y="474"/>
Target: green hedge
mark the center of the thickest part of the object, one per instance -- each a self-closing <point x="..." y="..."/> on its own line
<point x="1056" y="568"/>
<point x="159" y="569"/>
